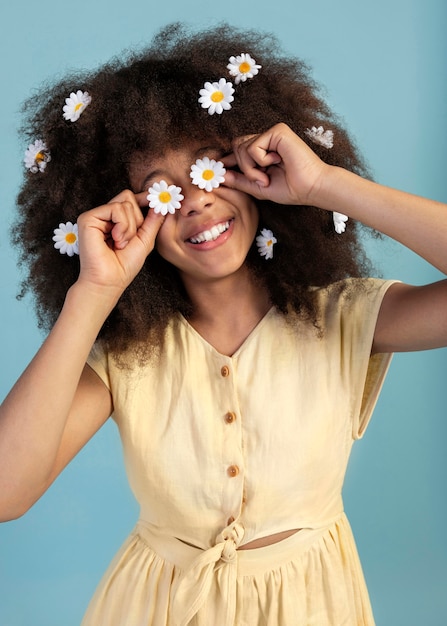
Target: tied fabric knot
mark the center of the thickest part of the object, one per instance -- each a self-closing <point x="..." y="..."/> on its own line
<point x="229" y="551"/>
<point x="231" y="539"/>
<point x="193" y="585"/>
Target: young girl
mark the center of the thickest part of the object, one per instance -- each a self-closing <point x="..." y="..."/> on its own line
<point x="219" y="309"/>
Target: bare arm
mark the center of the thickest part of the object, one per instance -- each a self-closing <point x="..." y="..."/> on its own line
<point x="277" y="165"/>
<point x="59" y="403"/>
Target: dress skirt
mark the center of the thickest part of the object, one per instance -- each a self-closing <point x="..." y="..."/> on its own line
<point x="312" y="578"/>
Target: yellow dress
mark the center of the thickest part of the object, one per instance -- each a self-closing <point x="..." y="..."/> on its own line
<point x="223" y="450"/>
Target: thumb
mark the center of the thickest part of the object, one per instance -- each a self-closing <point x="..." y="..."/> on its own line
<point x="148" y="231"/>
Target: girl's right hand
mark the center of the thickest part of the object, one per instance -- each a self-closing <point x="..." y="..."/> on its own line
<point x="114" y="241"/>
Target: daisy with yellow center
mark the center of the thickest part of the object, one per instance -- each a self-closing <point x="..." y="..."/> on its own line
<point x="37" y="156"/>
<point x="265" y="242"/>
<point x="242" y="67"/>
<point x="207" y="173"/>
<point x="216" y="97"/>
<point x="66" y="239"/>
<point x="164" y="198"/>
<point x="75" y="105"/>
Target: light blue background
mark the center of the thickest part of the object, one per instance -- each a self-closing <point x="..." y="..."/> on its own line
<point x="384" y="65"/>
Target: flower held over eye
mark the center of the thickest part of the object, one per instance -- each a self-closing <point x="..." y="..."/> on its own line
<point x="265" y="242"/>
<point x="66" y="239"/>
<point x="164" y="198"/>
<point x="207" y="173"/>
<point x="320" y="136"/>
<point x="37" y="156"/>
<point x="217" y="96"/>
<point x="242" y="67"/>
<point x="75" y="104"/>
<point x="339" y="222"/>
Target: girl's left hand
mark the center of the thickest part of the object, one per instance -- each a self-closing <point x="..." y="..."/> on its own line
<point x="276" y="165"/>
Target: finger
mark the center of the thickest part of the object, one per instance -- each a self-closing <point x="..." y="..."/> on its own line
<point x="244" y="159"/>
<point x="141" y="199"/>
<point x="238" y="180"/>
<point x="125" y="217"/>
<point x="147" y="232"/>
<point x="135" y="200"/>
<point x="229" y="160"/>
<point x="254" y="158"/>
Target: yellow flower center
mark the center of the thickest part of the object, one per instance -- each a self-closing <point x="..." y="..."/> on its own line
<point x="164" y="197"/>
<point x="217" y="96"/>
<point x="269" y="243"/>
<point x="40" y="156"/>
<point x="78" y="106"/>
<point x="244" y="67"/>
<point x="207" y="174"/>
<point x="70" y="238"/>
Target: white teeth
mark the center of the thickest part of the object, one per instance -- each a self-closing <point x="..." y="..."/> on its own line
<point x="212" y="234"/>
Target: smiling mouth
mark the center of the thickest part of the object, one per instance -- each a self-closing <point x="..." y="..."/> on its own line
<point x="212" y="234"/>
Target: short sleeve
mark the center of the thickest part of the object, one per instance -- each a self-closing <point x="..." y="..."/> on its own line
<point x="350" y="310"/>
<point x="367" y="372"/>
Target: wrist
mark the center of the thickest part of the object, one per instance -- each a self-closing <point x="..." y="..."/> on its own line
<point x="97" y="301"/>
<point x="321" y="193"/>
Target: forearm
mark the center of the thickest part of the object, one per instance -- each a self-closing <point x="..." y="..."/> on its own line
<point x="34" y="414"/>
<point x="416" y="222"/>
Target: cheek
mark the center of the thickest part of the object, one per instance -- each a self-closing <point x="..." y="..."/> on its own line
<point x="254" y="220"/>
<point x="164" y="241"/>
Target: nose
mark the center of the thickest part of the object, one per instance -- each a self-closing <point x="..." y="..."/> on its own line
<point x="195" y="200"/>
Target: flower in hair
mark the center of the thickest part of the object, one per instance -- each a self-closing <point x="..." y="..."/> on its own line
<point x="75" y="105"/>
<point x="265" y="242"/>
<point x="207" y="173"/>
<point x="339" y="222"/>
<point x="320" y="136"/>
<point x="242" y="67"/>
<point x="37" y="156"/>
<point x="164" y="198"/>
<point x="66" y="239"/>
<point x="216" y="97"/>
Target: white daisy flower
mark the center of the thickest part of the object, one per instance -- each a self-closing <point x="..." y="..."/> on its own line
<point x="217" y="96"/>
<point x="75" y="105"/>
<point x="37" y="156"/>
<point x="66" y="239"/>
<point x="242" y="67"/>
<point x="207" y="173"/>
<point x="265" y="242"/>
<point x="339" y="222"/>
<point x="164" y="198"/>
<point x="322" y="137"/>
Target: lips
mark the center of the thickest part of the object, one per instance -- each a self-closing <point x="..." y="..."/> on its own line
<point x="212" y="234"/>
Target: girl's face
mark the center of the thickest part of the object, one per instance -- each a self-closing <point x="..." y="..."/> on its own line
<point x="229" y="215"/>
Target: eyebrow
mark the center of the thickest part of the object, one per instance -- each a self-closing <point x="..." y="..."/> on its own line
<point x="150" y="176"/>
<point x="217" y="150"/>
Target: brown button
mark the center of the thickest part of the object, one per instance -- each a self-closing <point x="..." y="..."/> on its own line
<point x="225" y="371"/>
<point x="233" y="471"/>
<point x="230" y="417"/>
<point x="230" y="520"/>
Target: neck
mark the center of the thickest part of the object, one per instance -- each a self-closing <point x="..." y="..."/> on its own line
<point x="227" y="310"/>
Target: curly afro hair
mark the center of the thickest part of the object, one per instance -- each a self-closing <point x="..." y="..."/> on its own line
<point x="146" y="102"/>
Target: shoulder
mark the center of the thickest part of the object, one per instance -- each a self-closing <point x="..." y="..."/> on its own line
<point x="351" y="298"/>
